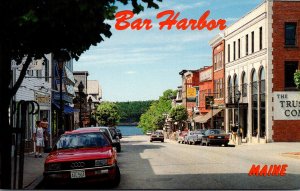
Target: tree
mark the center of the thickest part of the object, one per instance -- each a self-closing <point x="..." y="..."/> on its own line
<point x="31" y="29"/>
<point x="154" y="118"/>
<point x="297" y="78"/>
<point x="178" y="114"/>
<point x="107" y="114"/>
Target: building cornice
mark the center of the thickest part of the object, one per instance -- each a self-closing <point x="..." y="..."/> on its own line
<point x="216" y="40"/>
<point x="246" y="26"/>
<point x="247" y="58"/>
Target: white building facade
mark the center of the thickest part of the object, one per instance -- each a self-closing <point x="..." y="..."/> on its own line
<point x="248" y="65"/>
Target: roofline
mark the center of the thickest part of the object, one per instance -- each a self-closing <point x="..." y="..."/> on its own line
<point x="263" y="2"/>
<point x="216" y="39"/>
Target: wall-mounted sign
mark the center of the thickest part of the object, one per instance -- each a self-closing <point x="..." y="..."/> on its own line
<point x="43" y="100"/>
<point x="191" y="92"/>
<point x="286" y="105"/>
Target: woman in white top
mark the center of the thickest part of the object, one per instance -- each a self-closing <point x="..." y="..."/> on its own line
<point x="38" y="138"/>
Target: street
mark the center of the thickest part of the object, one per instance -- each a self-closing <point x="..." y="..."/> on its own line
<point x="170" y="165"/>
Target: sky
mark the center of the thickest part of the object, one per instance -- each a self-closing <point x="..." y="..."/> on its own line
<point x="140" y="65"/>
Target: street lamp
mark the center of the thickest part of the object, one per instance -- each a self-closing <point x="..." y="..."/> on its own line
<point x="238" y="97"/>
<point x="90" y="101"/>
<point x="80" y="89"/>
<point x="61" y="104"/>
<point x="211" y="103"/>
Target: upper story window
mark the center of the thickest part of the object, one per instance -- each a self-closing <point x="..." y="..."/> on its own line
<point x="290" y="68"/>
<point x="218" y="61"/>
<point x="234" y="50"/>
<point x="252" y="41"/>
<point x="228" y="52"/>
<point x="290" y="34"/>
<point x="239" y="48"/>
<point x="247" y="45"/>
<point x="260" y="39"/>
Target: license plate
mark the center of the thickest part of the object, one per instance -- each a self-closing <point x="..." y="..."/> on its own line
<point x="219" y="137"/>
<point x="77" y="174"/>
<point x="157" y="136"/>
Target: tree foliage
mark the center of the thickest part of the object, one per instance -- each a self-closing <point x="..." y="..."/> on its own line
<point x="154" y="117"/>
<point x="108" y="114"/>
<point x="297" y="78"/>
<point x="30" y="29"/>
<point x="178" y="114"/>
<point x="130" y="112"/>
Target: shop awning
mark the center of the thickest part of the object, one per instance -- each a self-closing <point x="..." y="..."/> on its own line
<point x="206" y="117"/>
<point x="67" y="109"/>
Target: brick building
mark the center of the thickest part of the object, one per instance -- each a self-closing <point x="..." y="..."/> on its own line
<point x="286" y="58"/>
<point x="261" y="56"/>
<point x="205" y="89"/>
<point x="218" y="49"/>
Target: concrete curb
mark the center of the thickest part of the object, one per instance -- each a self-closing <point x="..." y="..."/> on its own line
<point x="34" y="183"/>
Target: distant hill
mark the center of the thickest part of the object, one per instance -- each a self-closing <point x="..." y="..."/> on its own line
<point x="131" y="111"/>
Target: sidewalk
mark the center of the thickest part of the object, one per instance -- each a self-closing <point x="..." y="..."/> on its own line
<point x="33" y="170"/>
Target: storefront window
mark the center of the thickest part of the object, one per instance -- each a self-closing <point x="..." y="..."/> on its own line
<point x="229" y="90"/>
<point x="262" y="103"/>
<point x="254" y="91"/>
<point x="244" y="85"/>
<point x="236" y="86"/>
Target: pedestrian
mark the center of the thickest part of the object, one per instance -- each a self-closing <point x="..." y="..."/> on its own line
<point x="234" y="133"/>
<point x="38" y="138"/>
<point x="44" y="125"/>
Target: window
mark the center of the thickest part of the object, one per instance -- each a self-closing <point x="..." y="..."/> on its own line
<point x="260" y="38"/>
<point x="229" y="90"/>
<point x="234" y="50"/>
<point x="244" y="85"/>
<point x="239" y="48"/>
<point x="221" y="85"/>
<point x="228" y="52"/>
<point x="290" y="34"/>
<point x="215" y="62"/>
<point x="247" y="45"/>
<point x="254" y="97"/>
<point x="236" y="86"/>
<point x="252" y="41"/>
<point x="290" y="68"/>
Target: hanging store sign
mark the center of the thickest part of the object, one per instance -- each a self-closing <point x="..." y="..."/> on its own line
<point x="286" y="105"/>
<point x="43" y="100"/>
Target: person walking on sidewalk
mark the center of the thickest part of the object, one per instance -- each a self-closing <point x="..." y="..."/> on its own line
<point x="38" y="138"/>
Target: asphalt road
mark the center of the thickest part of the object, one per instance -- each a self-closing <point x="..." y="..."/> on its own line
<point x="170" y="165"/>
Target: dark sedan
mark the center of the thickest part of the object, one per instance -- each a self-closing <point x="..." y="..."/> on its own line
<point x="157" y="136"/>
<point x="215" y="137"/>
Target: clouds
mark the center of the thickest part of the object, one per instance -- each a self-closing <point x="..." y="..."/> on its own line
<point x="140" y="65"/>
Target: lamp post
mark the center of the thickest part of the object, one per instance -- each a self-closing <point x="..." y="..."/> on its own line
<point x="61" y="104"/>
<point x="212" y="116"/>
<point x="238" y="96"/>
<point x="90" y="101"/>
<point x="80" y="89"/>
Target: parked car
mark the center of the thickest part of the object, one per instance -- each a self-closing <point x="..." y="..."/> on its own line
<point x="194" y="137"/>
<point x="157" y="136"/>
<point x="182" y="136"/>
<point x="119" y="133"/>
<point x="112" y="134"/>
<point x="215" y="136"/>
<point x="82" y="156"/>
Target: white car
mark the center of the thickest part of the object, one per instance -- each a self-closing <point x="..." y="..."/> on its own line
<point x="148" y="132"/>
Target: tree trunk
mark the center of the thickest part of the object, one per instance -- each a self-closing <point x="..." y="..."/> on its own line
<point x="5" y="135"/>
